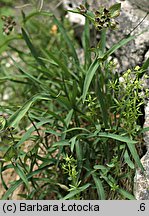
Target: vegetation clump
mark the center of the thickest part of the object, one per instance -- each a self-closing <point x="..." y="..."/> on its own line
<point x="69" y="129"/>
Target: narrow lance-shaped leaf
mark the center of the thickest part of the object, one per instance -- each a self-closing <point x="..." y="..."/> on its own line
<point x="21" y="174"/>
<point x="32" y="48"/>
<point x="130" y="143"/>
<point x="86" y="44"/>
<point x="37" y="13"/>
<point x="69" y="117"/>
<point x="28" y="75"/>
<point x="14" y="119"/>
<point x="117" y="137"/>
<point x="128" y="160"/>
<point x="144" y="68"/>
<point x="67" y="39"/>
<point x="61" y="143"/>
<point x="77" y="191"/>
<point x="125" y="194"/>
<point x="27" y="135"/>
<point x="99" y="186"/>
<point x="135" y="155"/>
<point x="20" y="181"/>
<point x="146" y="64"/>
<point x="117" y="46"/>
<point x="89" y="76"/>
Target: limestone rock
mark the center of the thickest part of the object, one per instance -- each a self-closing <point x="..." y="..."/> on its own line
<point x="141" y="180"/>
<point x="142" y="4"/>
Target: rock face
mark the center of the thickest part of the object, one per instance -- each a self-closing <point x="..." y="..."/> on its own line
<point x="143" y="4"/>
<point x="132" y="54"/>
<point x="141" y="180"/>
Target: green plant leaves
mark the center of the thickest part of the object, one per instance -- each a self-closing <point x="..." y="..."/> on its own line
<point x="36" y="13"/>
<point x="21" y="174"/>
<point x="61" y="65"/>
<point x="17" y="183"/>
<point x="76" y="192"/>
<point x="117" y="137"/>
<point x="89" y="76"/>
<point x="128" y="160"/>
<point x="116" y="46"/>
<point x="115" y="10"/>
<point x="135" y="155"/>
<point x="66" y="124"/>
<point x="130" y="143"/>
<point x="126" y="194"/>
<point x="99" y="186"/>
<point x="86" y="44"/>
<point x="2" y="123"/>
<point x="144" y="67"/>
<point x="14" y="119"/>
<point x="32" y="48"/>
<point x="68" y="41"/>
<point x="27" y="135"/>
<point x="61" y="143"/>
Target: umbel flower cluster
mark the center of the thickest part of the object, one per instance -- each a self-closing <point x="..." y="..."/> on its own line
<point x="102" y="18"/>
<point x="9" y="24"/>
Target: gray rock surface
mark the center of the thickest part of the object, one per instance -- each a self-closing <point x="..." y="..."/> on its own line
<point x="142" y="4"/>
<point x="141" y="180"/>
<point x="132" y="54"/>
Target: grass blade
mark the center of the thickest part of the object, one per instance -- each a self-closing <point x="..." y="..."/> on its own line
<point x="69" y="117"/>
<point x="126" y="194"/>
<point x="89" y="76"/>
<point x="37" y="13"/>
<point x="61" y="143"/>
<point x="27" y="135"/>
<point x="130" y="143"/>
<point x="135" y="155"/>
<point x="117" y="137"/>
<point x="58" y="61"/>
<point x="68" y="41"/>
<point x="101" y="98"/>
<point x="144" y="68"/>
<point x="117" y="46"/>
<point x="128" y="160"/>
<point x="19" y="182"/>
<point x="29" y="76"/>
<point x="14" y="119"/>
<point x="21" y="174"/>
<point x="79" y="156"/>
<point x="100" y="189"/>
<point x="146" y="64"/>
<point x="32" y="48"/>
<point x="86" y="44"/>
